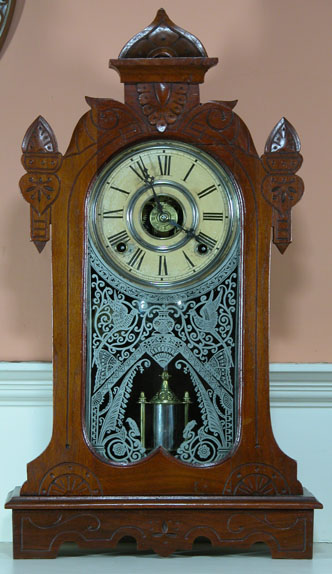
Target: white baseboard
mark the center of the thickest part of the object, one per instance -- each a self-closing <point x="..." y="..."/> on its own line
<point x="301" y="385"/>
<point x="25" y="384"/>
<point x="301" y="396"/>
<point x="291" y="384"/>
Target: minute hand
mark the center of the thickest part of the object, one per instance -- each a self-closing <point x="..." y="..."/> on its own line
<point x="149" y="180"/>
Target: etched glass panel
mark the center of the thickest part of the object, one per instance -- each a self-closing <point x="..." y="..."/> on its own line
<point x="162" y="368"/>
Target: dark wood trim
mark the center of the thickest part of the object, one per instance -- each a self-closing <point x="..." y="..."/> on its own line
<point x="165" y="525"/>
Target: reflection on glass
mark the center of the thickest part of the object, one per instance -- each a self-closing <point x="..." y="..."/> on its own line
<point x="166" y="415"/>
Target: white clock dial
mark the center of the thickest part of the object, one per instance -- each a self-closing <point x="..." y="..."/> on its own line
<point x="163" y="214"/>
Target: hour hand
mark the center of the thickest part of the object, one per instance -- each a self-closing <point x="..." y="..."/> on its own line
<point x="189" y="232"/>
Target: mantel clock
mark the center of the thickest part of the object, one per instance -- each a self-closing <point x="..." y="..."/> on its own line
<point x="161" y="214"/>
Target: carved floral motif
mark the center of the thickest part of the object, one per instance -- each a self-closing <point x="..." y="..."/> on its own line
<point x="162" y="103"/>
<point x="40" y="190"/>
<point x="70" y="479"/>
<point x="255" y="479"/>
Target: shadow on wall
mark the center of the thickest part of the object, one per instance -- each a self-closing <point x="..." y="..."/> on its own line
<point x="288" y="275"/>
<point x="33" y="270"/>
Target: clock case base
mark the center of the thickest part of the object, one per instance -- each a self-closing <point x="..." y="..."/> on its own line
<point x="164" y="524"/>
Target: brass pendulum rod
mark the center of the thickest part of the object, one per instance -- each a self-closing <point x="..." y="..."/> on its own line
<point x="186" y="401"/>
<point x="142" y="401"/>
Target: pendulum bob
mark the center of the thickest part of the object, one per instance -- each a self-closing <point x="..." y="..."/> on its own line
<point x="165" y="405"/>
<point x="169" y="417"/>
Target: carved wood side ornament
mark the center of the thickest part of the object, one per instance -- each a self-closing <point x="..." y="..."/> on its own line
<point x="40" y="186"/>
<point x="281" y="188"/>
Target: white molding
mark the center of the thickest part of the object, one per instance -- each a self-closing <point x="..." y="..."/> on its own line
<point x="292" y="384"/>
<point x="301" y="385"/>
<point x="25" y="384"/>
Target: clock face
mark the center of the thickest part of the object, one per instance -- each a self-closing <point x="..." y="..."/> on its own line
<point x="163" y="214"/>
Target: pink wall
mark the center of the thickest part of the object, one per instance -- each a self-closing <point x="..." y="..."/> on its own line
<point x="275" y="57"/>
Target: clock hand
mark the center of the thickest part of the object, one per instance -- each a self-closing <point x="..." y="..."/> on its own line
<point x="157" y="200"/>
<point x="189" y="232"/>
<point x="149" y="180"/>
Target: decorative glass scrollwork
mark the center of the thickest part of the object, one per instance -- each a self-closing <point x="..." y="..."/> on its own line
<point x="133" y="338"/>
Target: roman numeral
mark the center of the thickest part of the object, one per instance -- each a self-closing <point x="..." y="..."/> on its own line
<point x="206" y="191"/>
<point x="137" y="258"/>
<point x="122" y="236"/>
<point x="120" y="190"/>
<point x="162" y="270"/>
<point x="189" y="171"/>
<point x="206" y="240"/>
<point x="113" y="214"/>
<point x="188" y="259"/>
<point x="213" y="216"/>
<point x="164" y="164"/>
<point x="140" y="170"/>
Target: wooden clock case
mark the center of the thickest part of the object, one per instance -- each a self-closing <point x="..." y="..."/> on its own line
<point x="71" y="494"/>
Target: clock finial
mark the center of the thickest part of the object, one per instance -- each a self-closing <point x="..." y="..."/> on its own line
<point x="163" y="39"/>
<point x="283" y="138"/>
